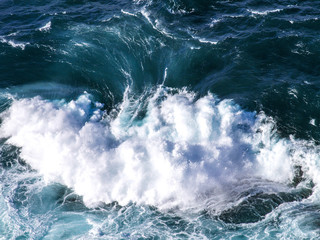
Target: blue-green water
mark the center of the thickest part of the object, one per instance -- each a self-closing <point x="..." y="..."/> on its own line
<point x="146" y="119"/>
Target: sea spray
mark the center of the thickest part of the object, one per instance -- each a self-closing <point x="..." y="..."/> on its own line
<point x="179" y="151"/>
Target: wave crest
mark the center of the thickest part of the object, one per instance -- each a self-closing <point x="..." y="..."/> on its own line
<point x="166" y="149"/>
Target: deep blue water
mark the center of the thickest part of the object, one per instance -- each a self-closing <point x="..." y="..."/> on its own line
<point x="146" y="119"/>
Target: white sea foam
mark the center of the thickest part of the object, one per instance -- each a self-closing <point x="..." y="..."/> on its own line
<point x="82" y="44"/>
<point x="203" y="40"/>
<point x="128" y="13"/>
<point x="157" y="26"/>
<point x="312" y="122"/>
<point x="293" y="92"/>
<point x="207" y="41"/>
<point x="182" y="149"/>
<point x="46" y="27"/>
<point x="214" y="22"/>
<point x="14" y="44"/>
<point x="256" y="12"/>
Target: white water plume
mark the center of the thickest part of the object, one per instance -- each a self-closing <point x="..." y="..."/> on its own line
<point x="180" y="149"/>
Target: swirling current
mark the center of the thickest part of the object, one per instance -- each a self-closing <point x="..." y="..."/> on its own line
<point x="147" y="119"/>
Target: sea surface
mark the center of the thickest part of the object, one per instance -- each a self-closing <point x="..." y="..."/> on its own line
<point x="148" y="119"/>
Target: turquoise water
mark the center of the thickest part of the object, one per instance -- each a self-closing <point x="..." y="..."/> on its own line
<point x="151" y="119"/>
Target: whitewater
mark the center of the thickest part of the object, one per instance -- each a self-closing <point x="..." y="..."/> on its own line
<point x="168" y="149"/>
<point x="147" y="119"/>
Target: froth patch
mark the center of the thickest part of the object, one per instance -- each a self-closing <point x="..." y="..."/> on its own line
<point x="13" y="43"/>
<point x="46" y="27"/>
<point x="181" y="149"/>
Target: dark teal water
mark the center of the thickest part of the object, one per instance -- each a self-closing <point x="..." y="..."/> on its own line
<point x="175" y="119"/>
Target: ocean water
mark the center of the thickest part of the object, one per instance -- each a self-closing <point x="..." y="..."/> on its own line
<point x="147" y="119"/>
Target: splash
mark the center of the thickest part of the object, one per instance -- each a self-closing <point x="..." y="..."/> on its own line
<point x="167" y="148"/>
